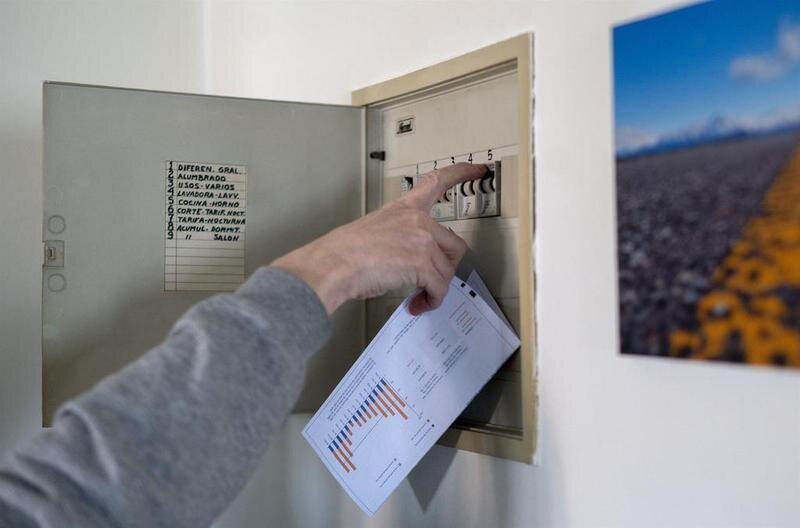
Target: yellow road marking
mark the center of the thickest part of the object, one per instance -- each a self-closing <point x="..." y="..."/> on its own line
<point x="744" y="310"/>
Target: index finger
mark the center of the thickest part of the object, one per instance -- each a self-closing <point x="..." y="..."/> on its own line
<point x="436" y="182"/>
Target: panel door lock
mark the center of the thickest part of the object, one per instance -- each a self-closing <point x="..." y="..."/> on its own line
<point x="53" y="254"/>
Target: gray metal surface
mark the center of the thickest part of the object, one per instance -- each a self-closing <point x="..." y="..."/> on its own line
<point x="104" y="154"/>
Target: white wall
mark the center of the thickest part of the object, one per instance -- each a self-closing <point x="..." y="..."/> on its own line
<point x="626" y="441"/>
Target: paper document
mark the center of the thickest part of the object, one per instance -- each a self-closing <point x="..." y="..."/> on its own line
<point x="408" y="386"/>
<point x="476" y="283"/>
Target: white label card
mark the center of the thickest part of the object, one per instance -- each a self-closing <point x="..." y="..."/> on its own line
<point x="204" y="229"/>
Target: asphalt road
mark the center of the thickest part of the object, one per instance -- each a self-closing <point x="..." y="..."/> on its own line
<point x="678" y="214"/>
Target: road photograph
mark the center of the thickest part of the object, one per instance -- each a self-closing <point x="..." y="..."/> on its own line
<point x="707" y="152"/>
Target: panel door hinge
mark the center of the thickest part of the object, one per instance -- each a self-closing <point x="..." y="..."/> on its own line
<point x="378" y="155"/>
<point x="53" y="253"/>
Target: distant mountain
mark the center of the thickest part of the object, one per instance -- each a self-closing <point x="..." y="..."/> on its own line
<point x="716" y="128"/>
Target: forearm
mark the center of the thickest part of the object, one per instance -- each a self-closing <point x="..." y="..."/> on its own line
<point x="172" y="438"/>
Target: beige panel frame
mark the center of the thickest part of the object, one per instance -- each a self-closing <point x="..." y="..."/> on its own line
<point x="520" y="51"/>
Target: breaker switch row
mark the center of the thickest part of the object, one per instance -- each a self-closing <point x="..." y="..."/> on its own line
<point x="473" y="199"/>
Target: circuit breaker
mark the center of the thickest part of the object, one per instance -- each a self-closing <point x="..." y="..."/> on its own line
<point x="190" y="194"/>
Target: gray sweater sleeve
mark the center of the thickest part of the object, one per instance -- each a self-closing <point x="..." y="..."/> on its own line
<point x="172" y="438"/>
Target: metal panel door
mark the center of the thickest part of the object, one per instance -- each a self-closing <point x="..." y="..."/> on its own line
<point x="107" y="154"/>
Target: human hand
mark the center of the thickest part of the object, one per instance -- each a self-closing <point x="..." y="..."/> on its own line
<point x="397" y="246"/>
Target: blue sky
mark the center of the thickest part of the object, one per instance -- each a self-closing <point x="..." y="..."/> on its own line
<point x="732" y="61"/>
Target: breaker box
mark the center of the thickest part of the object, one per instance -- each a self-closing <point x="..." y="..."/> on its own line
<point x="155" y="200"/>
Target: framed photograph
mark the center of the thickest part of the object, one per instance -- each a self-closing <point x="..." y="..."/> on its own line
<point x="707" y="130"/>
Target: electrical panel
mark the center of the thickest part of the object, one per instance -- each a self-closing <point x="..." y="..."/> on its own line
<point x="474" y="109"/>
<point x="176" y="181"/>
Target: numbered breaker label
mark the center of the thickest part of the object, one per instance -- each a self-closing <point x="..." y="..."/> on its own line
<point x="473" y="199"/>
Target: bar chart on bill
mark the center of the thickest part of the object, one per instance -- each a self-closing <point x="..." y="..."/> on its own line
<point x="365" y="416"/>
<point x="379" y="400"/>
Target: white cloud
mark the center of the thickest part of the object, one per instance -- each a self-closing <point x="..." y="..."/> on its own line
<point x="631" y="139"/>
<point x="769" y="66"/>
<point x="781" y="117"/>
<point x="789" y="40"/>
<point x="757" y="67"/>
